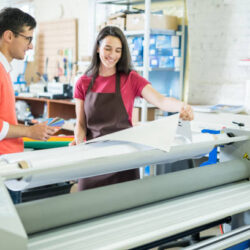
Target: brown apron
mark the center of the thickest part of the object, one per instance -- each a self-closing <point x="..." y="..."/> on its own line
<point x="105" y="113"/>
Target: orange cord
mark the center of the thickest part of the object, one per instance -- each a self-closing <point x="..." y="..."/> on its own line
<point x="221" y="229"/>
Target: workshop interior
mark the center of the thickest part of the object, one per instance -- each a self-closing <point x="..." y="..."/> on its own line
<point x="192" y="184"/>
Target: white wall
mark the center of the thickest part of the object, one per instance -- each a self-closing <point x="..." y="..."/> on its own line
<point x="219" y="36"/>
<point x="18" y="65"/>
<point x="5" y="3"/>
<point x="47" y="10"/>
<point x="87" y="13"/>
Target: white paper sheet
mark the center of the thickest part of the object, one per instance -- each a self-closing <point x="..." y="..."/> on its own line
<point x="158" y="134"/>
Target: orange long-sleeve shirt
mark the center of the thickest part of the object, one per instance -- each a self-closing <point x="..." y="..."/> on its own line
<point x="7" y="113"/>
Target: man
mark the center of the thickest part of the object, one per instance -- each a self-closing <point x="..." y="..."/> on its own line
<point x="16" y="33"/>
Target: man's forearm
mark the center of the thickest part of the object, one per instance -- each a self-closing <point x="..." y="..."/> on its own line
<point x="16" y="131"/>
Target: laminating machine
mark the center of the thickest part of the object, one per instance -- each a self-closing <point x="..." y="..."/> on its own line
<point x="131" y="215"/>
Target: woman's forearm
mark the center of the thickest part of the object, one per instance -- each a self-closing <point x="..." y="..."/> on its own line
<point x="80" y="133"/>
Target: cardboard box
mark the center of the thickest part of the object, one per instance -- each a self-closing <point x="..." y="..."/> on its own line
<point x="162" y="61"/>
<point x="175" y="42"/>
<point x="136" y="22"/>
<point x="117" y="14"/>
<point x="177" y="62"/>
<point x="164" y="52"/>
<point x="176" y="52"/>
<point x="166" y="62"/>
<point x="154" y="61"/>
<point x="163" y="41"/>
<point x="138" y="43"/>
<point x="167" y="41"/>
<point x="118" y="22"/>
<point x="136" y="115"/>
<point x="152" y="51"/>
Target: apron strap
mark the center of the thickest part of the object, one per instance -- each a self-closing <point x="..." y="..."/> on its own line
<point x="117" y="85"/>
<point x="91" y="84"/>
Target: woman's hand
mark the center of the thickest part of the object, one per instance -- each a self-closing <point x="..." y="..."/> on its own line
<point x="73" y="143"/>
<point x="80" y="128"/>
<point x="186" y="112"/>
<point x="76" y="141"/>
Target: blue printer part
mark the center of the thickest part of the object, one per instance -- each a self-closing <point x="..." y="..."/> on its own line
<point x="212" y="158"/>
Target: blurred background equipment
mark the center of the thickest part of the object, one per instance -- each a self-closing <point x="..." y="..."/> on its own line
<point x="23" y="111"/>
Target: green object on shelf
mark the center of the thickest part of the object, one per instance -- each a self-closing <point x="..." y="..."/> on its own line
<point x="45" y="144"/>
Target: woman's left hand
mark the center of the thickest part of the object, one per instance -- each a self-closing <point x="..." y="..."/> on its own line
<point x="186" y="112"/>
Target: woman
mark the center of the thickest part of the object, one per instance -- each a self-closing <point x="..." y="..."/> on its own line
<point x="105" y="97"/>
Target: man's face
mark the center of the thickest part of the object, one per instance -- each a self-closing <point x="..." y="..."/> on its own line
<point x="21" y="43"/>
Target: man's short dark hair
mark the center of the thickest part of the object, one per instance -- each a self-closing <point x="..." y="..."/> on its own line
<point x="15" y="20"/>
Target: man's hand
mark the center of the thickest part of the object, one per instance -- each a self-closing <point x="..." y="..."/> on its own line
<point x="41" y="131"/>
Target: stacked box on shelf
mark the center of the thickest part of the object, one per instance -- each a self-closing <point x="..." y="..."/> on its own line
<point x="119" y="22"/>
<point x="117" y="19"/>
<point x="166" y="46"/>
<point x="163" y="22"/>
<point x="137" y="51"/>
<point x="164" y="51"/>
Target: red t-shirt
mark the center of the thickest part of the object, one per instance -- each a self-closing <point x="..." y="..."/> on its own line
<point x="8" y="113"/>
<point x="131" y="87"/>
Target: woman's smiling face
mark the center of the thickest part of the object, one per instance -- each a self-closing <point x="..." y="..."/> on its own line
<point x="110" y="51"/>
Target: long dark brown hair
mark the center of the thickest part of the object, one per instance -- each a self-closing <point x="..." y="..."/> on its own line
<point x="124" y="65"/>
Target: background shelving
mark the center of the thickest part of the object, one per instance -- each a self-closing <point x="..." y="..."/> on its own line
<point x="167" y="80"/>
<point x="152" y="32"/>
<point x="46" y="108"/>
<point x="128" y="2"/>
